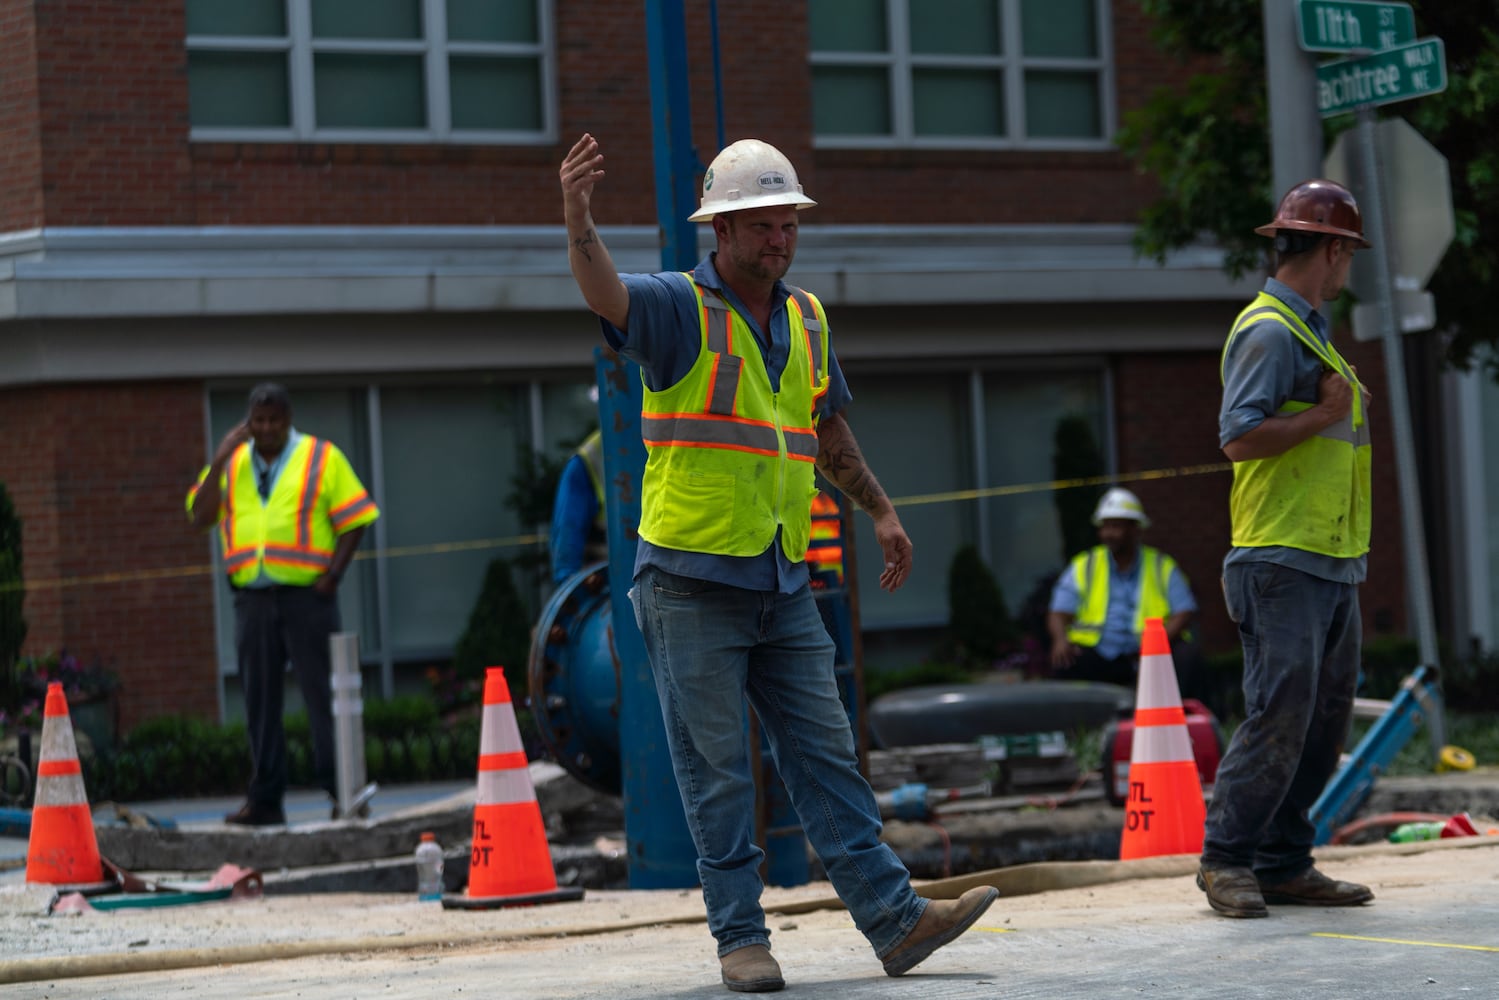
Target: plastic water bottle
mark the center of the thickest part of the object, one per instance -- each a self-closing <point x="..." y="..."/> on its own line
<point x="428" y="868"/>
<point x="1407" y="833"/>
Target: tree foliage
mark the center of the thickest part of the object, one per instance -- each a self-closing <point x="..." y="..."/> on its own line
<point x="12" y="597"/>
<point x="1207" y="143"/>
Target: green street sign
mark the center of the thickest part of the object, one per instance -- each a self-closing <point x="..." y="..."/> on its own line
<point x="1346" y="25"/>
<point x="1397" y="74"/>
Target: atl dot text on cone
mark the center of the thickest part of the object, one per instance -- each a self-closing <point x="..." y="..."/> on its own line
<point x="1164" y="813"/>
<point x="63" y="849"/>
<point x="510" y="862"/>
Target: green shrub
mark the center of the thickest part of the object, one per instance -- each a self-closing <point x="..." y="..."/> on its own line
<point x="399" y="716"/>
<point x="498" y="633"/>
<point x="980" y="626"/>
<point x="1076" y="455"/>
<point x="12" y="595"/>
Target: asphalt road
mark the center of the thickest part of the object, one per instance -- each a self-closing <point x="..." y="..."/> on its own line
<point x="1433" y="931"/>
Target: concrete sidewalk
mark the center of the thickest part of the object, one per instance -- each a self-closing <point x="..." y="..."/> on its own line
<point x="304" y="808"/>
<point x="1070" y="929"/>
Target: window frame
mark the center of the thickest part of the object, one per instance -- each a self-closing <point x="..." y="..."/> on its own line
<point x="434" y="48"/>
<point x="899" y="64"/>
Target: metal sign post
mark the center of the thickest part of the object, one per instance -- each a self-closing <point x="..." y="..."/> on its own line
<point x="348" y="726"/>
<point x="1390" y="65"/>
<point x="1412" y="522"/>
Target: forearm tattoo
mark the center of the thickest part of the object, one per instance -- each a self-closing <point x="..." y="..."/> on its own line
<point x="582" y="243"/>
<point x="841" y="461"/>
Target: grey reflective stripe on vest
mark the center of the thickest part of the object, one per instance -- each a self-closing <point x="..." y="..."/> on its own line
<point x="813" y="326"/>
<point x="665" y="430"/>
<point x="727" y="367"/>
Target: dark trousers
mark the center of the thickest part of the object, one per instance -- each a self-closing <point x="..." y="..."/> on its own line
<point x="1186" y="658"/>
<point x="1089" y="666"/>
<point x="272" y="625"/>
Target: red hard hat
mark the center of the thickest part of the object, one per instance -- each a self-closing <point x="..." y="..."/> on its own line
<point x="1318" y="206"/>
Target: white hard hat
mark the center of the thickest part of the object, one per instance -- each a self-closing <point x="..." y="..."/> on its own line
<point x="1120" y="503"/>
<point x="748" y="174"/>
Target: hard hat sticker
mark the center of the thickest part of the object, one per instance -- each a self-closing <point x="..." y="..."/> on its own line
<point x="708" y="180"/>
<point x="771" y="180"/>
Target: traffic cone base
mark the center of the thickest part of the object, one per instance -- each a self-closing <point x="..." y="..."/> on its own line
<point x="510" y="862"/>
<point x="62" y="849"/>
<point x="1164" y="812"/>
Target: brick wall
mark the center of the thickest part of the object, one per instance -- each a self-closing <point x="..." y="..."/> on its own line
<point x="20" y="141"/>
<point x="114" y="108"/>
<point x="98" y="474"/>
<point x="1167" y="418"/>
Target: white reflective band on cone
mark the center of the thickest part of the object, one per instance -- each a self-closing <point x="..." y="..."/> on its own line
<point x="498" y="731"/>
<point x="510" y="786"/>
<point x="1161" y="745"/>
<point x="1154" y="692"/>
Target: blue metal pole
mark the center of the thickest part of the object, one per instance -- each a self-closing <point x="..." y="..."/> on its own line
<point x="661" y="852"/>
<point x="671" y="129"/>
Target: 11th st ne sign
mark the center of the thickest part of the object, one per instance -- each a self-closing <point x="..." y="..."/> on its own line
<point x="1348" y="25"/>
<point x="1397" y="74"/>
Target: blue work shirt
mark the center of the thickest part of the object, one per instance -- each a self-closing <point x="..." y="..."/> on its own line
<point x="1118" y="636"/>
<point x="1266" y="366"/>
<point x="266" y="474"/>
<point x="664" y="339"/>
<point x="574" y="512"/>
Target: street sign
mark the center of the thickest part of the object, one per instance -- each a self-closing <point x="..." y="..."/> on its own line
<point x="1418" y="198"/>
<point x="1396" y="74"/>
<point x="1414" y="312"/>
<point x="1348" y="25"/>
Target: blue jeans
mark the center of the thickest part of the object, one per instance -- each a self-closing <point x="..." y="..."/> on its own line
<point x="712" y="645"/>
<point x="1301" y="637"/>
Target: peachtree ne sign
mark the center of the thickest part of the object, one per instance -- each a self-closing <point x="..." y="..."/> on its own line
<point x="1397" y="74"/>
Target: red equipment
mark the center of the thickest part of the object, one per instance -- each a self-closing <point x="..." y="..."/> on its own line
<point x="1119" y="737"/>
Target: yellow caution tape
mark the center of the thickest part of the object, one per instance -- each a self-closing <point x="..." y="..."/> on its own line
<point x="952" y="496"/>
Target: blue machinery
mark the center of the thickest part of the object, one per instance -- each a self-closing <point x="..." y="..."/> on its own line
<point x="591" y="688"/>
<point x="1419" y="699"/>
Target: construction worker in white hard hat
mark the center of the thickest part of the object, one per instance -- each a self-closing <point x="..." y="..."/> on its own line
<point x="743" y="399"/>
<point x="1101" y="600"/>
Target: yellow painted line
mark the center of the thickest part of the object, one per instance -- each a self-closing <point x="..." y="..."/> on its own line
<point x="994" y="930"/>
<point x="1417" y="944"/>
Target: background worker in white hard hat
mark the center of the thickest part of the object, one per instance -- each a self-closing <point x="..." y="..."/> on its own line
<point x="1293" y="422"/>
<point x="1101" y="600"/>
<point x="743" y="396"/>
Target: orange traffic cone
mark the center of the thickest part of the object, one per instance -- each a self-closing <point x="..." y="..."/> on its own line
<point x="62" y="849"/>
<point x="510" y="863"/>
<point x="1164" y="813"/>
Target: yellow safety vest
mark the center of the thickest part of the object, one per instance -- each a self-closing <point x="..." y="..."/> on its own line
<point x="825" y="551"/>
<point x="728" y="457"/>
<point x="1090" y="571"/>
<point x="591" y="451"/>
<point x="293" y="532"/>
<point x="1317" y="496"/>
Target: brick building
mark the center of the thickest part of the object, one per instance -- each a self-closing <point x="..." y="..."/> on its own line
<point x="361" y="201"/>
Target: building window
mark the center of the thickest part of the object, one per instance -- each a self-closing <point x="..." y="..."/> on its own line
<point x="936" y="438"/>
<point x="469" y="71"/>
<point x="961" y="73"/>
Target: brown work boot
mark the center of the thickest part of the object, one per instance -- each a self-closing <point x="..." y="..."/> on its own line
<point x="256" y="814"/>
<point x="751" y="970"/>
<point x="1312" y="888"/>
<point x="1232" y="891"/>
<point x="942" y="921"/>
